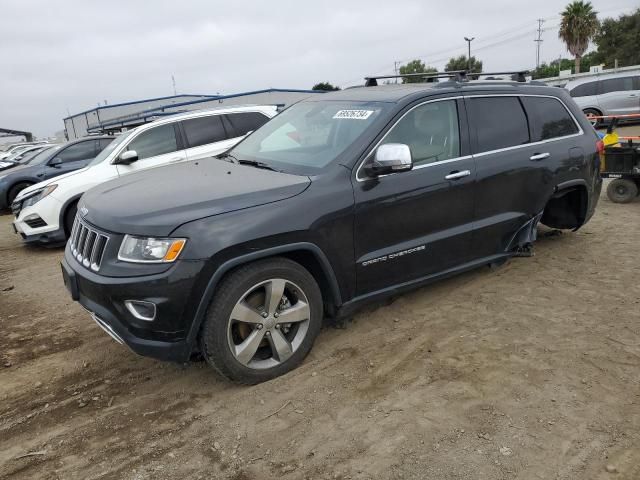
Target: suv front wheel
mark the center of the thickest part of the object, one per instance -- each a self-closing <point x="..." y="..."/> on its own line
<point x="262" y="321"/>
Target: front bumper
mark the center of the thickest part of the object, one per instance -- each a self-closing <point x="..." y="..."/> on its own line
<point x="49" y="231"/>
<point x="164" y="338"/>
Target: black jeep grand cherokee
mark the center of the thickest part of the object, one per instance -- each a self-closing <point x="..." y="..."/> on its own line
<point x="338" y="200"/>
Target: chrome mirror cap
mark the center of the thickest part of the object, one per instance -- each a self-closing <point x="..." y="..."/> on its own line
<point x="392" y="158"/>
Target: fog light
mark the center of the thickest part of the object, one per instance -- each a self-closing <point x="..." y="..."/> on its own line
<point x="141" y="310"/>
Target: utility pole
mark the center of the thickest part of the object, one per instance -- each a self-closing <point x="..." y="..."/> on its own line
<point x="469" y="40"/>
<point x="395" y="68"/>
<point x="539" y="41"/>
<point x="173" y="80"/>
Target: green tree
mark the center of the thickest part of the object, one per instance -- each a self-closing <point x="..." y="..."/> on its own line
<point x="461" y="63"/>
<point x="325" y="86"/>
<point x="415" y="66"/>
<point x="578" y="26"/>
<point x="552" y="69"/>
<point x="619" y="39"/>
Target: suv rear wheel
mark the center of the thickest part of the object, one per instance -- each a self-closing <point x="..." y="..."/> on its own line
<point x="262" y="321"/>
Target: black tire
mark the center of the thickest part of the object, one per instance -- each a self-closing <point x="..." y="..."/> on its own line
<point x="15" y="190"/>
<point x="597" y="122"/>
<point x="622" y="190"/>
<point x="69" y="217"/>
<point x="217" y="334"/>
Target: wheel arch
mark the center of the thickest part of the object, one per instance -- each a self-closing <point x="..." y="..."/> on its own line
<point x="65" y="208"/>
<point x="309" y="255"/>
<point x="568" y="206"/>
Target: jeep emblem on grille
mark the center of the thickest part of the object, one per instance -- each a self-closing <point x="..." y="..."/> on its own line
<point x="84" y="211"/>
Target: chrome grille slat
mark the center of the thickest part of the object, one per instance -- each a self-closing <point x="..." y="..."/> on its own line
<point x="87" y="244"/>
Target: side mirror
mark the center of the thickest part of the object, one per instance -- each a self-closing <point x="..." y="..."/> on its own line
<point x="127" y="157"/>
<point x="391" y="158"/>
<point x="55" y="163"/>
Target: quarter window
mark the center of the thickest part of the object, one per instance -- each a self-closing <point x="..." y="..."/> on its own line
<point x="204" y="130"/>
<point x="548" y="118"/>
<point x="500" y="122"/>
<point x="585" y="90"/>
<point x="78" y="151"/>
<point x="246" y="122"/>
<point x="157" y="141"/>
<point x="431" y="132"/>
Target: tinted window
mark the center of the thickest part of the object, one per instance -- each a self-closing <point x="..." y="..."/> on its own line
<point x="585" y="90"/>
<point x="500" y="122"/>
<point x="103" y="143"/>
<point x="78" y="151"/>
<point x="548" y="118"/>
<point x="204" y="130"/>
<point x="636" y="83"/>
<point x="617" y="84"/>
<point x="430" y="130"/>
<point x="246" y="122"/>
<point x="157" y="141"/>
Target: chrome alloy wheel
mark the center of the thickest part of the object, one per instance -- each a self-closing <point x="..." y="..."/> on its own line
<point x="268" y="324"/>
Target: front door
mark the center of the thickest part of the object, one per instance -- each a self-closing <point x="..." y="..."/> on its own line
<point x="155" y="147"/>
<point x="619" y="96"/>
<point x="412" y="224"/>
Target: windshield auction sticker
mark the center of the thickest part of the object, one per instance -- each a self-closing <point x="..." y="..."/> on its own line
<point x="353" y="114"/>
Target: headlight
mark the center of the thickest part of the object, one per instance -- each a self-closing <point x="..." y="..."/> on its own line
<point x="38" y="195"/>
<point x="150" y="250"/>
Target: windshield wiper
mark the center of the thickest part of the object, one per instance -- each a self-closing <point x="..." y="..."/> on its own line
<point x="226" y="155"/>
<point x="255" y="163"/>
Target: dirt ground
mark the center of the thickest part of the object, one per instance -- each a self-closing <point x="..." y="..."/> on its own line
<point x="530" y="371"/>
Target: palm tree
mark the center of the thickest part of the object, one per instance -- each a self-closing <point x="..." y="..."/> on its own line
<point x="578" y="26"/>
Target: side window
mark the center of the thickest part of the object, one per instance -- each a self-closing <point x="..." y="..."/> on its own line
<point x="621" y="84"/>
<point x="431" y="131"/>
<point x="636" y="83"/>
<point x="204" y="130"/>
<point x="103" y="143"/>
<point x="585" y="90"/>
<point x="157" y="141"/>
<point x="78" y="151"/>
<point x="500" y="122"/>
<point x="246" y="122"/>
<point x="549" y="118"/>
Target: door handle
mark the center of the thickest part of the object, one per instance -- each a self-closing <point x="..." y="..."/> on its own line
<point x="457" y="175"/>
<point x="539" y="156"/>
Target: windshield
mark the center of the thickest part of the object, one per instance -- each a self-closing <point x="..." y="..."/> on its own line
<point x="41" y="156"/>
<point x="110" y="148"/>
<point x="308" y="136"/>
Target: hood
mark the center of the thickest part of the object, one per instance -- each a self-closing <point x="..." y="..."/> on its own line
<point x="43" y="184"/>
<point x="16" y="169"/>
<point x="155" y="202"/>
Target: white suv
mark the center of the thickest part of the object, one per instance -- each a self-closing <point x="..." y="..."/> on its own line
<point x="45" y="211"/>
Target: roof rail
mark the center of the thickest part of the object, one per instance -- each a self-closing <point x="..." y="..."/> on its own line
<point x="516" y="76"/>
<point x="458" y="75"/>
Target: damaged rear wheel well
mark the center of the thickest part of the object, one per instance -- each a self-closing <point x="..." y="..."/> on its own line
<point x="567" y="208"/>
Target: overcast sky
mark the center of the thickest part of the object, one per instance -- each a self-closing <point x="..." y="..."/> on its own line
<point x="67" y="56"/>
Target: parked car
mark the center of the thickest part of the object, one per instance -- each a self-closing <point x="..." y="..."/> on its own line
<point x="49" y="163"/>
<point x="20" y="156"/>
<point x="45" y="212"/>
<point x="610" y="94"/>
<point x="18" y="147"/>
<point x="337" y="201"/>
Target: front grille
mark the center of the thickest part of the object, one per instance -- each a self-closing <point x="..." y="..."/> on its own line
<point x="87" y="244"/>
<point x="35" y="222"/>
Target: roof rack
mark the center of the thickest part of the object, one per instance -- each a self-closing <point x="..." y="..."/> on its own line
<point x="457" y="75"/>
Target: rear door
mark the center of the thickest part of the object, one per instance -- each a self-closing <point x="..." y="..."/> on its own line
<point x="205" y="136"/>
<point x="157" y="146"/>
<point x="619" y="96"/>
<point x="519" y="150"/>
<point x="72" y="157"/>
<point x="412" y="224"/>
